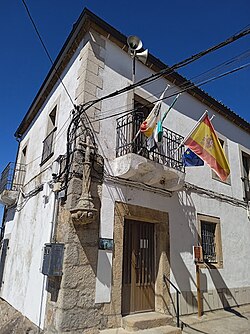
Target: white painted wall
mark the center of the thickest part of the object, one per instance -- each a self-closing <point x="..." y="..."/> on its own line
<point x="182" y="207"/>
<point x="29" y="227"/>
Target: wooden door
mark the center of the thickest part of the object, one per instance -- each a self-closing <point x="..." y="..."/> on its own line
<point x="138" y="286"/>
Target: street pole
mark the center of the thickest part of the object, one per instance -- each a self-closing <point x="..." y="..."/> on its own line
<point x="198" y="285"/>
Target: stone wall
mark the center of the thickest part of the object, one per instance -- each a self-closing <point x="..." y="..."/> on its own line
<point x="71" y="304"/>
<point x="71" y="308"/>
<point x="13" y="321"/>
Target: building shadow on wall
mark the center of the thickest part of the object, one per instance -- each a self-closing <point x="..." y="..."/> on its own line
<point x="183" y="228"/>
<point x="184" y="233"/>
<point x="225" y="296"/>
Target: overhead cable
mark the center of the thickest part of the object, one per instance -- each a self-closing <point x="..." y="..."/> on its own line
<point x="172" y="68"/>
<point x="189" y="86"/>
<point x="47" y="52"/>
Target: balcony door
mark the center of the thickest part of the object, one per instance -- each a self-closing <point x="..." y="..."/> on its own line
<point x="142" y="109"/>
<point x="138" y="284"/>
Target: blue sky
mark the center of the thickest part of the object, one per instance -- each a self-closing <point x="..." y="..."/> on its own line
<point x="171" y="31"/>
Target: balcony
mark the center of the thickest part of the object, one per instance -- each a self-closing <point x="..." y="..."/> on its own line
<point x="160" y="167"/>
<point x="11" y="181"/>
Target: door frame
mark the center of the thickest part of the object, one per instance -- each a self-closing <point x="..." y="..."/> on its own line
<point x="162" y="253"/>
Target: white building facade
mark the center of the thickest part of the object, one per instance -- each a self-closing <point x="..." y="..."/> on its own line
<point x="127" y="218"/>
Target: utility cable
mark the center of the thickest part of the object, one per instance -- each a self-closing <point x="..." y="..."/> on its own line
<point x="188" y="87"/>
<point x="155" y="76"/>
<point x="60" y="132"/>
<point x="47" y="52"/>
<point x="74" y="123"/>
<point x="172" y="68"/>
<point x="214" y="195"/>
<point x="197" y="79"/>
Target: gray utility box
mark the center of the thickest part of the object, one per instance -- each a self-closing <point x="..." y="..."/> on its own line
<point x="52" y="259"/>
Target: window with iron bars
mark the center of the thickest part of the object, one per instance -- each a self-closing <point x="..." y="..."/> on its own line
<point x="210" y="240"/>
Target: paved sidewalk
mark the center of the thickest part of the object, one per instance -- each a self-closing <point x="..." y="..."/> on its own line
<point x="232" y="321"/>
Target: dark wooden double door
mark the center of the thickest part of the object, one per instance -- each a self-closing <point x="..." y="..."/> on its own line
<point x="138" y="284"/>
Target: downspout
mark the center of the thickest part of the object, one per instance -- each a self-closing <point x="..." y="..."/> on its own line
<point x="56" y="187"/>
<point x="54" y="217"/>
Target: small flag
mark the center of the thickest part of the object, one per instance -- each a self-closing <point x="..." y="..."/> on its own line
<point x="158" y="131"/>
<point x="204" y="142"/>
<point x="190" y="159"/>
<point x="147" y="127"/>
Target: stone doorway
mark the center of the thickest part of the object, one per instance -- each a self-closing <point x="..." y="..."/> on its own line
<point x="127" y="212"/>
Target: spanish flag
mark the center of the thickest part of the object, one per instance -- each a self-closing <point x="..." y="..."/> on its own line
<point x="204" y="142"/>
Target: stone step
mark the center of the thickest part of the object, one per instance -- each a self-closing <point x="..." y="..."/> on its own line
<point x="145" y="320"/>
<point x="157" y="330"/>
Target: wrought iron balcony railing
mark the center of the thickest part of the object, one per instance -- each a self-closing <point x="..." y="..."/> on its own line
<point x="12" y="177"/>
<point x="169" y="153"/>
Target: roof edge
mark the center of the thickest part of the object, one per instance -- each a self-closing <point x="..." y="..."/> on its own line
<point x="115" y="36"/>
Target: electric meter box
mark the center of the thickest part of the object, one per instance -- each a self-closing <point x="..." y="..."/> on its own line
<point x="52" y="259"/>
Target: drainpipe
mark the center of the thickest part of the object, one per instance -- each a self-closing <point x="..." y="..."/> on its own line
<point x="56" y="186"/>
<point x="54" y="217"/>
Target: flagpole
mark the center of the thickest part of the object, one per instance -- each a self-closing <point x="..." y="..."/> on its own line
<point x="163" y="93"/>
<point x="170" y="107"/>
<point x="193" y="129"/>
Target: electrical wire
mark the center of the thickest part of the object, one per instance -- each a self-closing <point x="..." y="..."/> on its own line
<point x="168" y="70"/>
<point x="172" y="68"/>
<point x="136" y="184"/>
<point x="198" y="78"/>
<point x="73" y="126"/>
<point x="60" y="133"/>
<point x="243" y="32"/>
<point x="47" y="52"/>
<point x="191" y="81"/>
<point x="189" y="86"/>
<point x="75" y="121"/>
<point x="214" y="195"/>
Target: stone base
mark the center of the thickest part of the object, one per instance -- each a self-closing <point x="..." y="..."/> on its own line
<point x="13" y="321"/>
<point x="145" y="320"/>
<point x="157" y="330"/>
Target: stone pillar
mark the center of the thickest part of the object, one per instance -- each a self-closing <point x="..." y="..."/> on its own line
<point x="71" y="304"/>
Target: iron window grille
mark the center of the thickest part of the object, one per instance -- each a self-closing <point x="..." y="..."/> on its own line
<point x="169" y="153"/>
<point x="12" y="177"/>
<point x="208" y="241"/>
<point x="48" y="147"/>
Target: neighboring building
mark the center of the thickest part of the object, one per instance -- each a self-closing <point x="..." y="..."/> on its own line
<point x="119" y="221"/>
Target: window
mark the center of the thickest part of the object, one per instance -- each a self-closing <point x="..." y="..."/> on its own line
<point x="225" y="149"/>
<point x="246" y="175"/>
<point x="210" y="240"/>
<point x="48" y="143"/>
